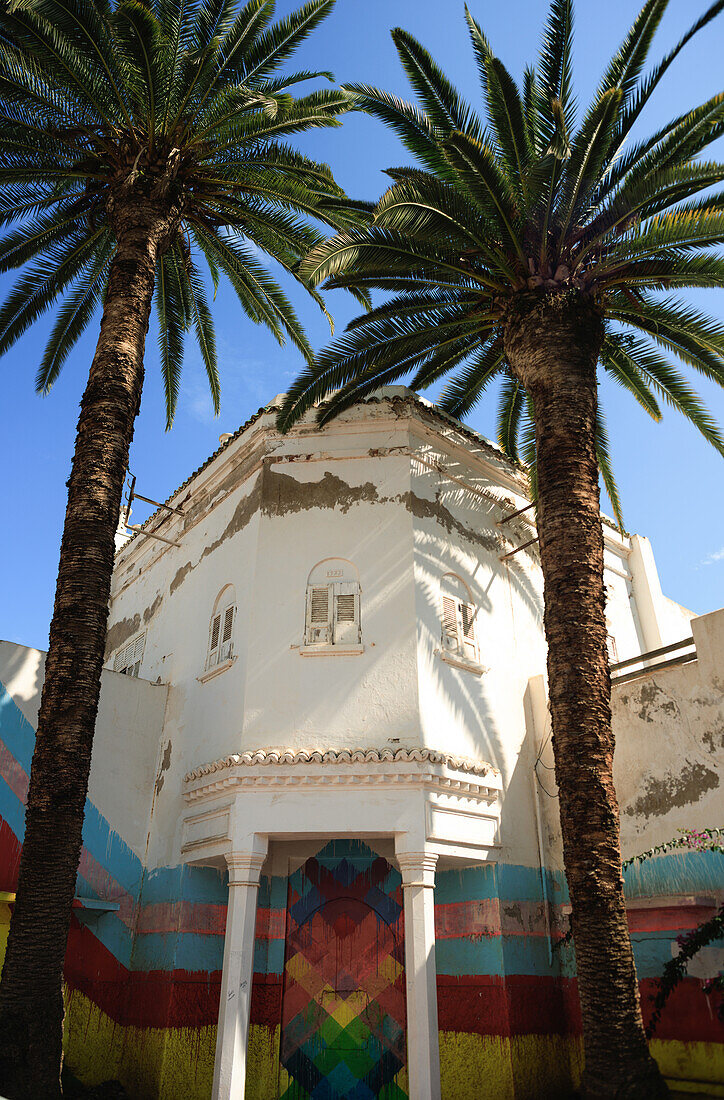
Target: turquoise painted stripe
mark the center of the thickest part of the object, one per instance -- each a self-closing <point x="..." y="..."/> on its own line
<point x="468" y="884"/>
<point x="15" y="730"/>
<point x="194" y="884"/>
<point x="273" y="892"/>
<point x="680" y="872"/>
<point x="497" y="955"/>
<point x="651" y="954"/>
<point x="110" y="850"/>
<point x="109" y="929"/>
<point x="12" y="811"/>
<point x="169" y="951"/>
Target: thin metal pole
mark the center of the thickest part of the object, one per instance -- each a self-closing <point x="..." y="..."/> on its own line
<point x="149" y="534"/>
<point x="652" y="653"/>
<point x="512" y="515"/>
<point x="157" y="504"/>
<point x="510" y="553"/>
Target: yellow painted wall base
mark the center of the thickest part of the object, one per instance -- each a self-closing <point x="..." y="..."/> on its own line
<point x="691" y="1067"/>
<point x="174" y="1063"/>
<point x="151" y="1063"/>
<point x="524" y="1067"/>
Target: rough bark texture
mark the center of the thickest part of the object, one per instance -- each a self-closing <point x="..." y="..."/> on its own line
<point x="31" y="1006"/>
<point x="553" y="343"/>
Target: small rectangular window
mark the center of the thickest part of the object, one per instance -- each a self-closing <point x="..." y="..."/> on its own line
<point x="128" y="659"/>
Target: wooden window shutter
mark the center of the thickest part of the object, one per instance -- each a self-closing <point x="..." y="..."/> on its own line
<point x="449" y="623"/>
<point x="346" y="613"/>
<point x="467" y="620"/>
<point x="226" y="645"/>
<point x="215" y="633"/>
<point x="319" y="615"/>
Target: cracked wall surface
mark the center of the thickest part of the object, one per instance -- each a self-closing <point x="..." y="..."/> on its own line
<point x="669" y="758"/>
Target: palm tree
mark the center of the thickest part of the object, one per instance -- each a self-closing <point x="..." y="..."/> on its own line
<point x="138" y="139"/>
<point x="531" y="247"/>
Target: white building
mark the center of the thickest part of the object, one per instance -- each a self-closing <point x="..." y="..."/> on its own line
<point x="346" y="629"/>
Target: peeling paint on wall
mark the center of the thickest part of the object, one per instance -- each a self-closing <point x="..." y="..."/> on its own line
<point x="660" y="795"/>
<point x="165" y="765"/>
<point x="151" y="611"/>
<point x="120" y="632"/>
<point x="422" y="508"/>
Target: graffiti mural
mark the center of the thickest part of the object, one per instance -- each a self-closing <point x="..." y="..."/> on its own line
<point x="343" y="1010"/>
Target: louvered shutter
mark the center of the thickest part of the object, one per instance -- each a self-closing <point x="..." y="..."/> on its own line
<point x="467" y="623"/>
<point x="135" y="661"/>
<point x="128" y="659"/>
<point x="226" y="646"/>
<point x="346" y="614"/>
<point x="215" y="634"/>
<point x="449" y="623"/>
<point x="319" y="615"/>
<point x="611" y="648"/>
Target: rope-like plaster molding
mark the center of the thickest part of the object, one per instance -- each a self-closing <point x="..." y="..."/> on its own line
<point x="343" y="756"/>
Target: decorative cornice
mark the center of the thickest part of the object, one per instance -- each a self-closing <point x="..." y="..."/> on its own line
<point x="266" y="757"/>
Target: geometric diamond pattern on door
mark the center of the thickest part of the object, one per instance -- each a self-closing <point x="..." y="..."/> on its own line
<point x="343" y="1008"/>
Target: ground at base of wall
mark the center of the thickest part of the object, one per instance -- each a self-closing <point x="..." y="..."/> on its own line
<point x="74" y="1090"/>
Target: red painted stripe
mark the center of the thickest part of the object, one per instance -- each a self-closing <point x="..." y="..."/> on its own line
<point x="467" y="918"/>
<point x="200" y="918"/>
<point x="9" y="857"/>
<point x="266" y="1000"/>
<point x="516" y="1005"/>
<point x="668" y="918"/>
<point x="95" y="874"/>
<point x="271" y="924"/>
<point x="689" y="1015"/>
<point x="13" y="773"/>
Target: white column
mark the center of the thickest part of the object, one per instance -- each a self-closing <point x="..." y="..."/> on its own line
<point x="234" y="1009"/>
<point x="423" y="1049"/>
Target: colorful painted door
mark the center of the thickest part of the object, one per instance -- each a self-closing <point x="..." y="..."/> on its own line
<point x="343" y="1009"/>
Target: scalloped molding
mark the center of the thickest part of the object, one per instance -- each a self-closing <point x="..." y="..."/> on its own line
<point x="266" y="757"/>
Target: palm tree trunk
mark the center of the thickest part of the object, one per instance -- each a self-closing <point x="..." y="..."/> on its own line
<point x="31" y="1006"/>
<point x="553" y="345"/>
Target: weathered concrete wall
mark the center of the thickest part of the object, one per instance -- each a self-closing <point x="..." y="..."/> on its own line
<point x="125" y="746"/>
<point x="669" y="725"/>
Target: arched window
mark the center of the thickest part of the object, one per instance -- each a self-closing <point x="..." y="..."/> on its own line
<point x="458" y="618"/>
<point x="333" y="604"/>
<point x="221" y="628"/>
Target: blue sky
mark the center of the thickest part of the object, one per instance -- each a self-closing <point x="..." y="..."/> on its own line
<point x="669" y="478"/>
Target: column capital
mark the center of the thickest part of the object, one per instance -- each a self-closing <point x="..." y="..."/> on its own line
<point x="417" y="868"/>
<point x="245" y="868"/>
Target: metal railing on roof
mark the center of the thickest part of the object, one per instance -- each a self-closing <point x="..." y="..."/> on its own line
<point x="685" y="651"/>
